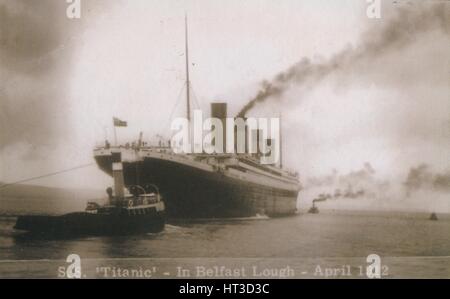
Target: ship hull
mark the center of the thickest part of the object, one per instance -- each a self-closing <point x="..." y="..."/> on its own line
<point x="190" y="192"/>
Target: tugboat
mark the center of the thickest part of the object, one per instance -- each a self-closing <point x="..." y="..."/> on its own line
<point x="314" y="209"/>
<point x="433" y="217"/>
<point x="139" y="210"/>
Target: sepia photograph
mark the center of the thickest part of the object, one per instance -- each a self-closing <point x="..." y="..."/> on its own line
<point x="204" y="140"/>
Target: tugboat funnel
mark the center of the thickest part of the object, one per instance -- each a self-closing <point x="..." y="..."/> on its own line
<point x="119" y="183"/>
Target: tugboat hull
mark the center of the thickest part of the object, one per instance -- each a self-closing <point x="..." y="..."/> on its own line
<point x="84" y="224"/>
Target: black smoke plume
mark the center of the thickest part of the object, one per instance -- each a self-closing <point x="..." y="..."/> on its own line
<point x="392" y="34"/>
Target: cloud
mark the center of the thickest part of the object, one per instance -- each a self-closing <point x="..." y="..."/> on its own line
<point x="34" y="66"/>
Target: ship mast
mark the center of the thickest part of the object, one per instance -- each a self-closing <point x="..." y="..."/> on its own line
<point x="188" y="100"/>
<point x="281" y="142"/>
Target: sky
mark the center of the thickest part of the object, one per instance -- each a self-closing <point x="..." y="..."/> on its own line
<point x="62" y="80"/>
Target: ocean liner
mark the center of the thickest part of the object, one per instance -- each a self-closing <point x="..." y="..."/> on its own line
<point x="206" y="185"/>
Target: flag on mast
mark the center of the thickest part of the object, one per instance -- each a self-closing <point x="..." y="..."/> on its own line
<point x="119" y="123"/>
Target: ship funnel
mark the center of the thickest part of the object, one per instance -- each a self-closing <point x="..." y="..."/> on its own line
<point x="255" y="142"/>
<point x="219" y="110"/>
<point x="117" y="170"/>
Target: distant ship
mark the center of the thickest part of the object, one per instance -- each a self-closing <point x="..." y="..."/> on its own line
<point x="206" y="185"/>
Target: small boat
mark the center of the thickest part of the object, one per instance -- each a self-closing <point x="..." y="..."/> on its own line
<point x="141" y="214"/>
<point x="313" y="210"/>
<point x="433" y="217"/>
<point x="322" y="197"/>
<point x="130" y="210"/>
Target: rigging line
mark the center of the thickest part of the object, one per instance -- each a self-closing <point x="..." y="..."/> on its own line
<point x="46" y="175"/>
<point x="175" y="106"/>
<point x="196" y="99"/>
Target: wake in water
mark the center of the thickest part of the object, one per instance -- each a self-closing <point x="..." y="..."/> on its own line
<point x="219" y="220"/>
